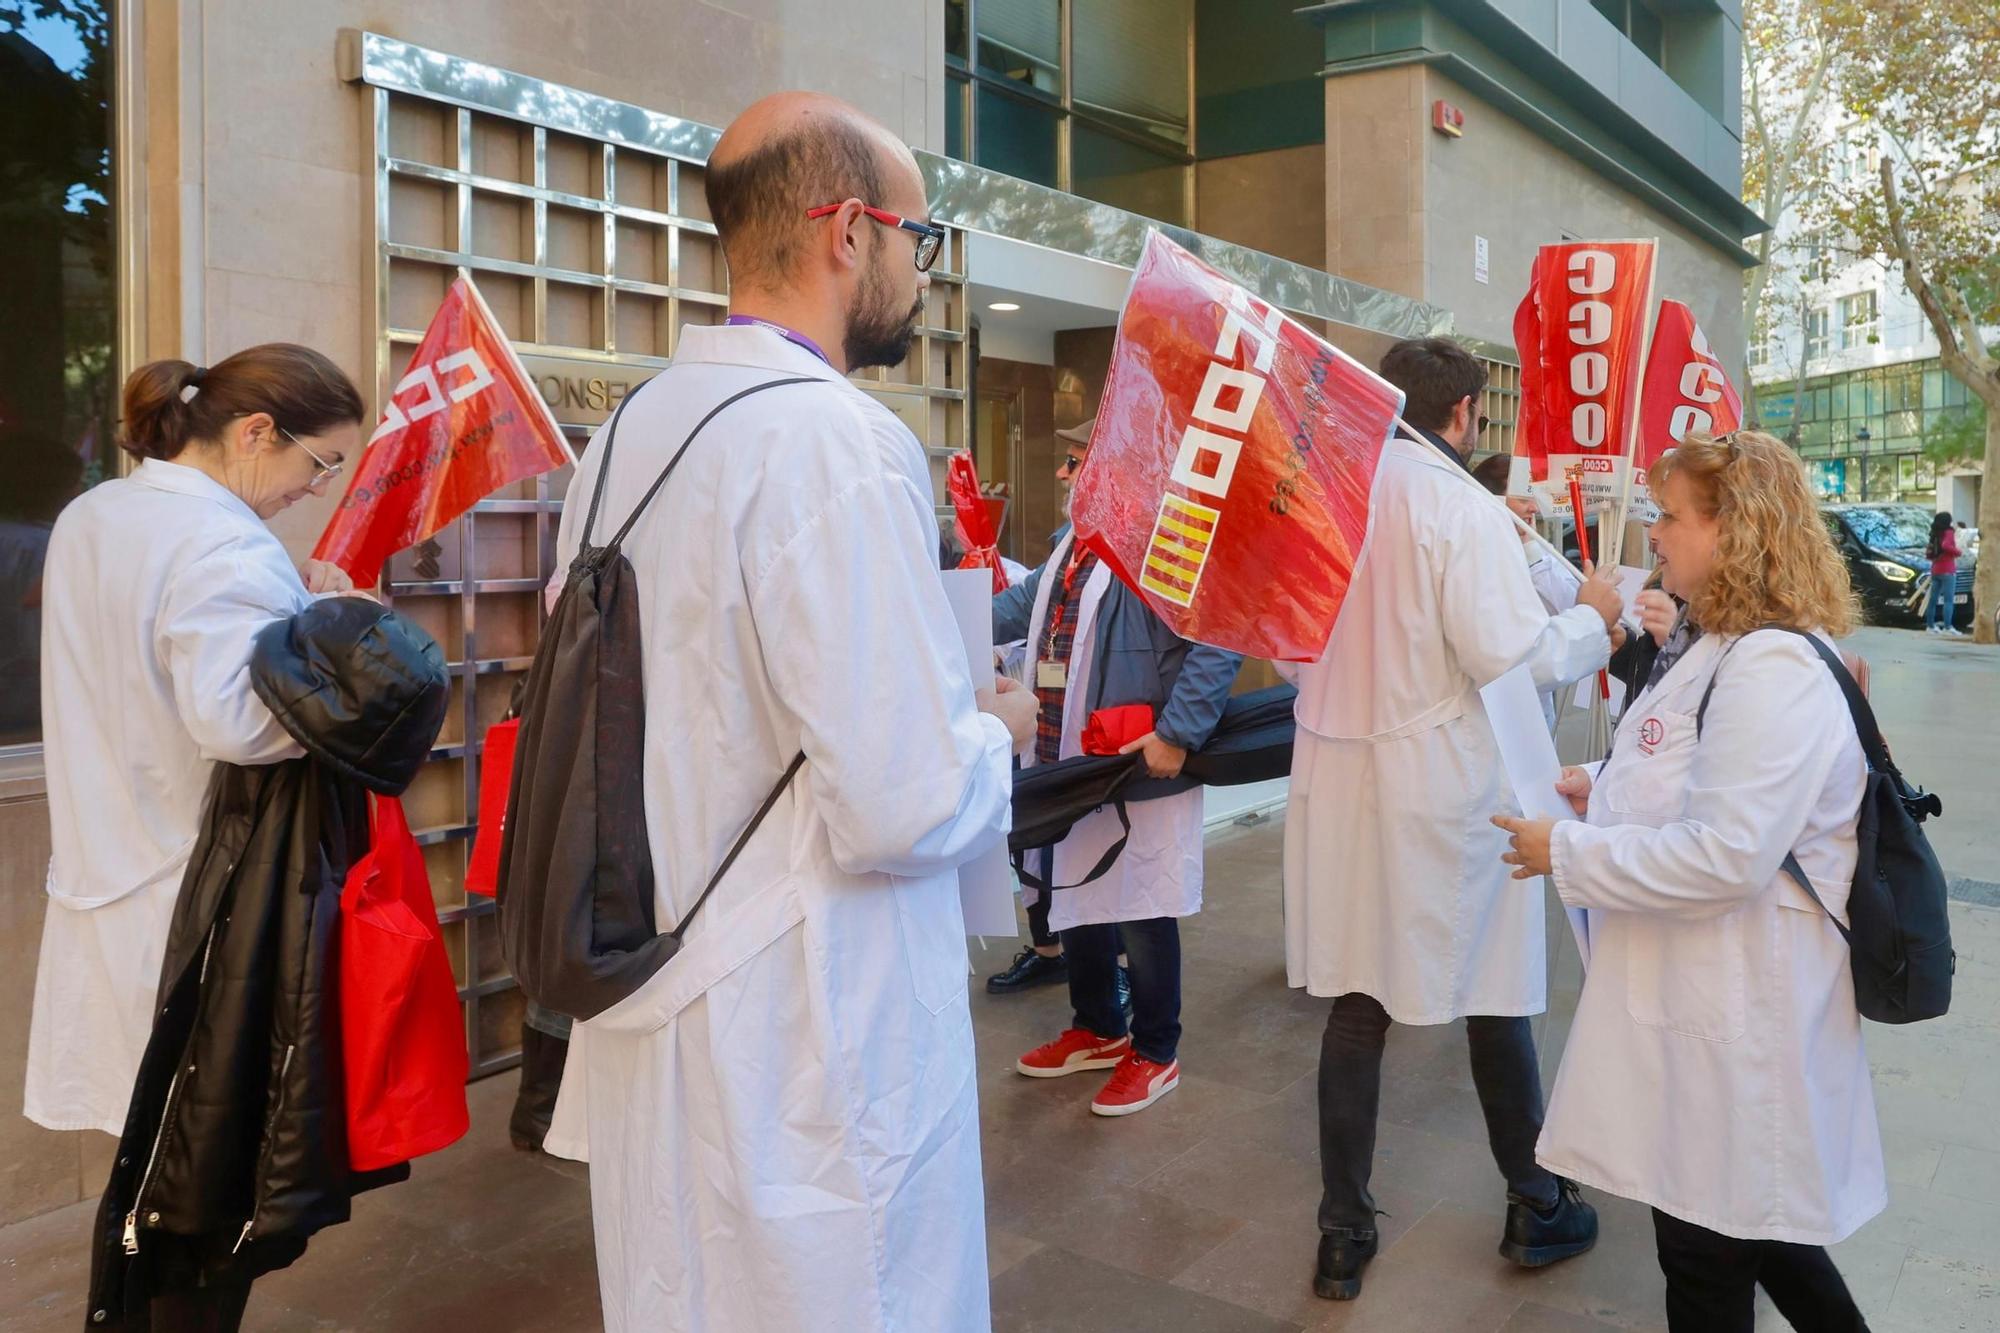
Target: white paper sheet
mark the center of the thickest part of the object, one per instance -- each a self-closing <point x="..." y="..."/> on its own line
<point x="1586" y="693"/>
<point x="1631" y="582"/>
<point x="985" y="883"/>
<point x="1528" y="756"/>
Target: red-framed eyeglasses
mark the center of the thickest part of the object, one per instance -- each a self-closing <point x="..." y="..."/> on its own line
<point x="929" y="239"/>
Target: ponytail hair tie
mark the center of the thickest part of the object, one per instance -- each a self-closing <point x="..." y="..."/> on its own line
<point x="193" y="385"/>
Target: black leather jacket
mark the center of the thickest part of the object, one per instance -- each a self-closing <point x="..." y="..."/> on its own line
<point x="235" y="1146"/>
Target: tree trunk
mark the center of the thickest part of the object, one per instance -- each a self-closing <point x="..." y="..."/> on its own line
<point x="1986" y="583"/>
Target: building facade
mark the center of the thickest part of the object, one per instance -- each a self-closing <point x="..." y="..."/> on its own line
<point x="200" y="175"/>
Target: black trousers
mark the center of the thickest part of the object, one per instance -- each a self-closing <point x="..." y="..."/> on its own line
<point x="1504" y="1071"/>
<point x="1154" y="948"/>
<point x="1712" y="1282"/>
<point x="211" y="1308"/>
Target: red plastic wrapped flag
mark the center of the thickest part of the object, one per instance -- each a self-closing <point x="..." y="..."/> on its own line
<point x="1229" y="472"/>
<point x="1580" y="332"/>
<point x="1686" y="390"/>
<point x="974" y="520"/>
<point x="463" y="422"/>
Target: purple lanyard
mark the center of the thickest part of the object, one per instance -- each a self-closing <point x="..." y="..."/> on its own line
<point x="792" y="336"/>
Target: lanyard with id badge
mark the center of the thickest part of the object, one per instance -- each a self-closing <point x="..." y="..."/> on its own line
<point x="1052" y="673"/>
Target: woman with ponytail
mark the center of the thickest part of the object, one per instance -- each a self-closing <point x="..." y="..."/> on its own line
<point x="155" y="585"/>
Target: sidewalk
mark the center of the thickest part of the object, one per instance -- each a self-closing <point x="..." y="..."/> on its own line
<point x="1197" y="1215"/>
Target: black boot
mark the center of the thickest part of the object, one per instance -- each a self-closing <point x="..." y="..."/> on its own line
<point x="1535" y="1239"/>
<point x="1342" y="1256"/>
<point x="542" y="1060"/>
<point x="1028" y="970"/>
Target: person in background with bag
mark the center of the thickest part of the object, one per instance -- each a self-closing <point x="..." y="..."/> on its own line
<point x="1715" y="1068"/>
<point x="1099" y="660"/>
<point x="782" y="1122"/>
<point x="1395" y="907"/>
<point x="1942" y="551"/>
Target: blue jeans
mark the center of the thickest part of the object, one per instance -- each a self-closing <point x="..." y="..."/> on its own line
<point x="1154" y="949"/>
<point x="1943" y="601"/>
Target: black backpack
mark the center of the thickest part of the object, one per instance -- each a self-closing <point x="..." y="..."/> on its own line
<point x="576" y="871"/>
<point x="1900" y="940"/>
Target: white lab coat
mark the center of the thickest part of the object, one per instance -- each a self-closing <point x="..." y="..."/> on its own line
<point x="1393" y="880"/>
<point x="1159" y="872"/>
<point x="1557" y="587"/>
<point x="782" y="1125"/>
<point x="155" y="585"/>
<point x="1715" y="1068"/>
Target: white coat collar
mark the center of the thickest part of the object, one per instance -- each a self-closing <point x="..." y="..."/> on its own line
<point x="1423" y="451"/>
<point x="750" y="345"/>
<point x="181" y="479"/>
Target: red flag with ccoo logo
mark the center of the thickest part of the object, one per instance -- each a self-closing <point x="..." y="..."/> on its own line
<point x="464" y="421"/>
<point x="1686" y="390"/>
<point x="1581" y="335"/>
<point x="1229" y="472"/>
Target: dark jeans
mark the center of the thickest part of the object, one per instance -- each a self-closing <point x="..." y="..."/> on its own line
<point x="211" y="1308"/>
<point x="1350" y="1091"/>
<point x="1038" y="920"/>
<point x="1153" y="949"/>
<point x="1712" y="1282"/>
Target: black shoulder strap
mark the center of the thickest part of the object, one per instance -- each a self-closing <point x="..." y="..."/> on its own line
<point x="743" y="839"/>
<point x="1104" y="862"/>
<point x="603" y="471"/>
<point x="1865" y="730"/>
<point x="626" y="530"/>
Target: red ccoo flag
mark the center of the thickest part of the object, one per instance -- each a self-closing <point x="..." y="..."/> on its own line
<point x="1686" y="390"/>
<point x="463" y="422"/>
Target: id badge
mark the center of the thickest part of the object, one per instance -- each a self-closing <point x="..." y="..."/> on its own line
<point x="1051" y="675"/>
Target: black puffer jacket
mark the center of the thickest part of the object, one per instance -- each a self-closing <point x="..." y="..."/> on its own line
<point x="235" y="1146"/>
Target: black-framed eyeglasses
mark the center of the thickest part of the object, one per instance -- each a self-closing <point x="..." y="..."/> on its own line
<point x="1071" y="462"/>
<point x="1484" y="422"/>
<point x="930" y="239"/>
<point x="327" y="471"/>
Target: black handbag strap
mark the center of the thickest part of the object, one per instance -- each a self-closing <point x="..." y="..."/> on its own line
<point x="1098" y="871"/>
<point x="743" y="840"/>
<point x="611" y="436"/>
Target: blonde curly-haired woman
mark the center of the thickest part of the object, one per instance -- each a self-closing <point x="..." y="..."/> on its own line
<point x="1715" y="1069"/>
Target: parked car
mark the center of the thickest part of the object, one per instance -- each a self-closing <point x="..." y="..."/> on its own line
<point x="1884" y="548"/>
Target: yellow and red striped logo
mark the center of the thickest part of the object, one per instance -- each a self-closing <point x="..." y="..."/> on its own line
<point x="1182" y="536"/>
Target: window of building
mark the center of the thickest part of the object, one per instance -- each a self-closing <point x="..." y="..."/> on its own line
<point x="1112" y="124"/>
<point x="1817" y="322"/>
<point x="1641" y="24"/>
<point x="1860" y="319"/>
<point x="1762" y="349"/>
<point x="58" y="380"/>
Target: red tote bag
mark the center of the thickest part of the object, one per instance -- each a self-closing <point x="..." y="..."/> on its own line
<point x="402" y="1031"/>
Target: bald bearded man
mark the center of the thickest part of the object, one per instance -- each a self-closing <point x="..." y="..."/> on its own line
<point x="782" y="1126"/>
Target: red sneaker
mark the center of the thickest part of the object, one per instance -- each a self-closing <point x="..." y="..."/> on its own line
<point x="1073" y="1052"/>
<point x="1135" y="1085"/>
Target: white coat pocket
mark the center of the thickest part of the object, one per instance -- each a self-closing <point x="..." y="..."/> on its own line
<point x="1646" y="780"/>
<point x="1687" y="977"/>
<point x="933" y="927"/>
